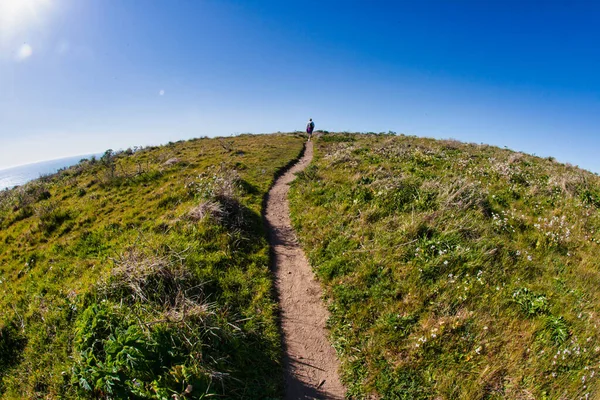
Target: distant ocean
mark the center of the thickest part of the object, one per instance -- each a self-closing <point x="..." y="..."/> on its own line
<point x="17" y="176"/>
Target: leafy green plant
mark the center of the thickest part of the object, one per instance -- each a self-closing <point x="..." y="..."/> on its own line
<point x="531" y="303"/>
<point x="558" y="328"/>
<point x="117" y="359"/>
<point x="310" y="173"/>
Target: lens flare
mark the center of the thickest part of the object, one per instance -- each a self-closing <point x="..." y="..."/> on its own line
<point x="17" y="15"/>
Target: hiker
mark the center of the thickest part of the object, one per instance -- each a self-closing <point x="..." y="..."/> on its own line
<point x="310" y="127"/>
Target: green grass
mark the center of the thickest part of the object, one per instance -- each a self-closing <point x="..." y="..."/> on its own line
<point x="143" y="274"/>
<point x="452" y="270"/>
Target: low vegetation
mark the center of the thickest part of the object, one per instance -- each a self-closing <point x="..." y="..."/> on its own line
<point x="143" y="274"/>
<point x="452" y="270"/>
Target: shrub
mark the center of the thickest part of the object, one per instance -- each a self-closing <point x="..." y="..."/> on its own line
<point x="205" y="209"/>
<point x="219" y="193"/>
<point x="338" y="138"/>
<point x="51" y="217"/>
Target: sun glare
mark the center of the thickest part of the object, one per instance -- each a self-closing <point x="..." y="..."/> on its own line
<point x="17" y="15"/>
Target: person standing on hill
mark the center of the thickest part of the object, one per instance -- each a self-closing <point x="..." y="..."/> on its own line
<point x="310" y="127"/>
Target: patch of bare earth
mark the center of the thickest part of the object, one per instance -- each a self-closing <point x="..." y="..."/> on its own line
<point x="311" y="366"/>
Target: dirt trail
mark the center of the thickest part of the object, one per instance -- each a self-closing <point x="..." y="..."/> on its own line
<point x="311" y="366"/>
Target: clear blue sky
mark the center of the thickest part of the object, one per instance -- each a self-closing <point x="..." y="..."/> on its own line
<point x="82" y="76"/>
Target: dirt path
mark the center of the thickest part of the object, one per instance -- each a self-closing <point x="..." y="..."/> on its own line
<point x="310" y="362"/>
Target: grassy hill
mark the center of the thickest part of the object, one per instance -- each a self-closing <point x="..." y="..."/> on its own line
<point x="143" y="274"/>
<point x="454" y="271"/>
<point x="451" y="270"/>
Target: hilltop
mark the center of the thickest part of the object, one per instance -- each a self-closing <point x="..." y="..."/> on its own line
<point x="450" y="270"/>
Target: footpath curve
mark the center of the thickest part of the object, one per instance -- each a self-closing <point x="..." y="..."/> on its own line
<point x="311" y="366"/>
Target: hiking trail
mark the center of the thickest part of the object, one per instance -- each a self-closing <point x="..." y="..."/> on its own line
<point x="310" y="363"/>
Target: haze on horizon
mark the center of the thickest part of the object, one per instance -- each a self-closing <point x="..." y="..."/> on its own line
<point x="81" y="77"/>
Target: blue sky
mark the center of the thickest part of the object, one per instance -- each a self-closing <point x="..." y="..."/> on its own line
<point x="79" y="77"/>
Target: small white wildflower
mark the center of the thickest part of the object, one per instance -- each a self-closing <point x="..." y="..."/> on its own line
<point x="529" y="258"/>
<point x="478" y="350"/>
<point x="446" y="262"/>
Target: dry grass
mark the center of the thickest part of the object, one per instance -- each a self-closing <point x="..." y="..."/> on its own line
<point x="212" y="209"/>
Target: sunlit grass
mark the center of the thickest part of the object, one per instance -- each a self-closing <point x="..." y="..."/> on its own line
<point x="115" y="285"/>
<point x="453" y="270"/>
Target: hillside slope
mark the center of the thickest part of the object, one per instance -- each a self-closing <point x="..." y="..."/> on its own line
<point x="454" y="271"/>
<point x="143" y="275"/>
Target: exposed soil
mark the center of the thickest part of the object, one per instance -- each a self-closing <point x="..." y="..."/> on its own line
<point x="311" y="366"/>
